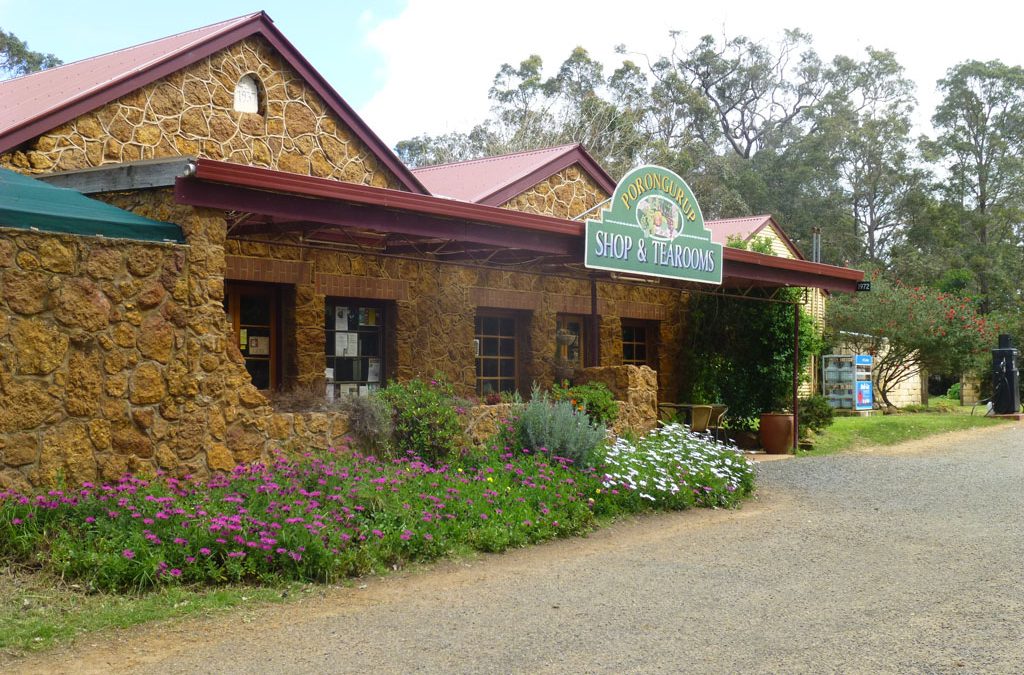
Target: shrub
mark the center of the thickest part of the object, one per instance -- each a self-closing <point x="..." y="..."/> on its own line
<point x="954" y="392"/>
<point x="558" y="428"/>
<point x="740" y="352"/>
<point x="815" y="414"/>
<point x="594" y="398"/>
<point x="425" y="418"/>
<point x="370" y="421"/>
<point x="675" y="468"/>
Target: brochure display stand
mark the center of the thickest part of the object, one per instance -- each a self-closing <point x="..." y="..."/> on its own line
<point x="846" y="381"/>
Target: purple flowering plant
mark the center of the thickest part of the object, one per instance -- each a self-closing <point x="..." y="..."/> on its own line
<point x="320" y="516"/>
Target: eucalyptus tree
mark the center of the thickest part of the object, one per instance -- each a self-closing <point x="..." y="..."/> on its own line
<point x="865" y="121"/>
<point x="578" y="104"/>
<point x="755" y="91"/>
<point x="17" y="59"/>
<point x="981" y="145"/>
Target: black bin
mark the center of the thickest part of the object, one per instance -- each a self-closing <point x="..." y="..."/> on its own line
<point x="1005" y="378"/>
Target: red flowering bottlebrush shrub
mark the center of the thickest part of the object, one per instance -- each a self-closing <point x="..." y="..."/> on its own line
<point x="907" y="328"/>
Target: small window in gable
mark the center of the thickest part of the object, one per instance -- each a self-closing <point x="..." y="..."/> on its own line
<point x="247" y="95"/>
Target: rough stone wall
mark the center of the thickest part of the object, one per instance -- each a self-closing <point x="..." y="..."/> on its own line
<point x="435" y="324"/>
<point x="115" y="356"/>
<point x="668" y="341"/>
<point x="636" y="390"/>
<point x="191" y="112"/>
<point x="305" y="431"/>
<point x="566" y="194"/>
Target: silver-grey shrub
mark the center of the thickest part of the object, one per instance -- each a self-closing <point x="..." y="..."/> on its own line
<point x="557" y="428"/>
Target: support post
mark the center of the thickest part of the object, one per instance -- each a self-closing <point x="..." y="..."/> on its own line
<point x="796" y="375"/>
<point x="593" y="355"/>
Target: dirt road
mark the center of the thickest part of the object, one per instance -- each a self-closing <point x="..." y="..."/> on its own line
<point x="896" y="560"/>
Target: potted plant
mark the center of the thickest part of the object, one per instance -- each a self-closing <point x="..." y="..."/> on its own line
<point x="776" y="432"/>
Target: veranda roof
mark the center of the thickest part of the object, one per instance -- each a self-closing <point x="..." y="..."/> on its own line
<point x="317" y="208"/>
<point x="26" y="203"/>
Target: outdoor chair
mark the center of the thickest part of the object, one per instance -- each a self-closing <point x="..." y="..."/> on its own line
<point x="717" y="422"/>
<point x="700" y="417"/>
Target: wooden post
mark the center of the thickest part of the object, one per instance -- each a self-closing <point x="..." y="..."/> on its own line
<point x="593" y="355"/>
<point x="796" y="375"/>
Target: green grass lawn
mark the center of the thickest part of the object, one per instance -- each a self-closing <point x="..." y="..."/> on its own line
<point x="854" y="432"/>
<point x="38" y="612"/>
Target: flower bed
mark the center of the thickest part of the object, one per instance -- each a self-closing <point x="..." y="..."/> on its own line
<point x="334" y="514"/>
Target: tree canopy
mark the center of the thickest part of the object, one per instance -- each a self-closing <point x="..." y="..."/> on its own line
<point x="17" y="59"/>
<point x="769" y="127"/>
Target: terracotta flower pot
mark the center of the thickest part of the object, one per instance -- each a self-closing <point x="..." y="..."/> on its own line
<point x="776" y="433"/>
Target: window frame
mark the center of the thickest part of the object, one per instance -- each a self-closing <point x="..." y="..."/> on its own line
<point x="561" y="323"/>
<point x="478" y="338"/>
<point x="649" y="343"/>
<point x="333" y="386"/>
<point x="233" y="292"/>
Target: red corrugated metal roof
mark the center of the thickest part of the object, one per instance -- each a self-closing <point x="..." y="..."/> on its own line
<point x="747" y="228"/>
<point x="34" y="104"/>
<point x="744" y="228"/>
<point x="24" y="99"/>
<point x="495" y="180"/>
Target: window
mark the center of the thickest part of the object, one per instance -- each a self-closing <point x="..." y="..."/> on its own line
<point x="253" y="310"/>
<point x="571" y="340"/>
<point x="495" y="344"/>
<point x="247" y="95"/>
<point x="638" y="344"/>
<point x="355" y="347"/>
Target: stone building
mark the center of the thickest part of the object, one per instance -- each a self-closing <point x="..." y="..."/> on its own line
<point x="312" y="257"/>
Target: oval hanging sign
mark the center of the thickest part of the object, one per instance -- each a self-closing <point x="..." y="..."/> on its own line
<point x="654" y="227"/>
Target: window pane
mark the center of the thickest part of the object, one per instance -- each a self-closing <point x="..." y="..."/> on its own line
<point x="344" y="370"/>
<point x="489" y="347"/>
<point x="489" y="325"/>
<point x="490" y="367"/>
<point x="508" y="368"/>
<point x="254" y="310"/>
<point x="369" y="344"/>
<point x="508" y="327"/>
<point x="508" y="347"/>
<point x="260" y="372"/>
<point x="628" y="353"/>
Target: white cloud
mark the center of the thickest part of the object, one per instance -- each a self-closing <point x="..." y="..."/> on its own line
<point x="441" y="56"/>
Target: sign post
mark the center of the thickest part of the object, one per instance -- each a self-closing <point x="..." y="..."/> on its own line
<point x="654" y="227"/>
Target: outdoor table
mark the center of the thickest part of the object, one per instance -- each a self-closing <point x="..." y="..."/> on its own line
<point x="674" y="408"/>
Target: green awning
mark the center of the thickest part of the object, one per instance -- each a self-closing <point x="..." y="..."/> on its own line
<point x="27" y="203"/>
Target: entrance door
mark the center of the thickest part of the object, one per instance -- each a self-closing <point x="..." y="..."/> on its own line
<point x="253" y="310"/>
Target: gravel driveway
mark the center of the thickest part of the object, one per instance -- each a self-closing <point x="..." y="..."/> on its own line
<point x="908" y="559"/>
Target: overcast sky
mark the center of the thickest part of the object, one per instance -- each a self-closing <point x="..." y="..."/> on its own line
<point x="424" y="66"/>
